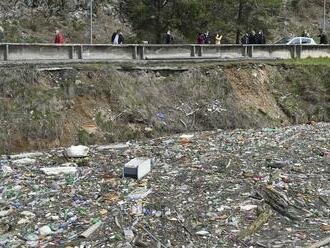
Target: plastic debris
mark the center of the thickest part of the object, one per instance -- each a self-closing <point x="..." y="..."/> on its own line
<point x="137" y="168"/>
<point x="59" y="170"/>
<point x="45" y="231"/>
<point x="77" y="151"/>
<point x="91" y="230"/>
<point x="216" y="190"/>
<point x="202" y="233"/>
<point x="139" y="194"/>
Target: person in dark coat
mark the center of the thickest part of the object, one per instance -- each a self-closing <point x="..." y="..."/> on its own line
<point x="117" y="38"/>
<point x="261" y="39"/>
<point x="323" y="38"/>
<point x="207" y="38"/>
<point x="305" y="34"/>
<point x="245" y="39"/>
<point x="59" y="37"/>
<point x="252" y="38"/>
<point x="169" y="39"/>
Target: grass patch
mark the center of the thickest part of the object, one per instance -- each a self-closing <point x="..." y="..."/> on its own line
<point x="308" y="61"/>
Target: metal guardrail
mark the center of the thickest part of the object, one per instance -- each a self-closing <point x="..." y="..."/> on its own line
<point x="33" y="51"/>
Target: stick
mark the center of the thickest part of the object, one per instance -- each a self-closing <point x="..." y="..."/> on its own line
<point x="152" y="236"/>
<point x="320" y="243"/>
<point x="91" y="230"/>
<point x="228" y="163"/>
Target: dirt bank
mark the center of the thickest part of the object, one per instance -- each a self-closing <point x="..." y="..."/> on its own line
<point x="48" y="107"/>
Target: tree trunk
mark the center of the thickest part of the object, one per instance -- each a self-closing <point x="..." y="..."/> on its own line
<point x="239" y="20"/>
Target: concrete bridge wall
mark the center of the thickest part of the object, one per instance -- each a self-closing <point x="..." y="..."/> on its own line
<point x="22" y="52"/>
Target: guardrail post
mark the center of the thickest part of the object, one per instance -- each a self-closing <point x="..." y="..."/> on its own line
<point x="244" y="51"/>
<point x="6" y="53"/>
<point x="135" y="52"/>
<point x="80" y="53"/>
<point x="250" y="51"/>
<point x="141" y="52"/>
<point x="71" y="53"/>
<point x="293" y="51"/>
<point x="193" y="51"/>
<point x="200" y="51"/>
<point x="299" y="51"/>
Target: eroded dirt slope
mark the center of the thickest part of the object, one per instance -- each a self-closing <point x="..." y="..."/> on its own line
<point x="55" y="106"/>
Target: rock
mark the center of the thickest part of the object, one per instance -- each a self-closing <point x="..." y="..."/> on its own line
<point x="45" y="231"/>
<point x="77" y="151"/>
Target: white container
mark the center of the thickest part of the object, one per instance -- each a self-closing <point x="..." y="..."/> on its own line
<point x="137" y="168"/>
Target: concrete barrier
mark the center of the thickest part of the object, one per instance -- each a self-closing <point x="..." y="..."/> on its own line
<point x="166" y="51"/>
<point x="222" y="51"/>
<point x="22" y="52"/>
<point x="112" y="52"/>
<point x="315" y="51"/>
<point x="273" y="51"/>
<point x="38" y="52"/>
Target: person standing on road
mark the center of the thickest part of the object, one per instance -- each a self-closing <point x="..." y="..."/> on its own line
<point x="305" y="34"/>
<point x="59" y="37"/>
<point x="252" y="37"/>
<point x="2" y="34"/>
<point x="117" y="38"/>
<point x="261" y="39"/>
<point x="245" y="39"/>
<point x="169" y="38"/>
<point x="323" y="37"/>
<point x="218" y="39"/>
<point x="200" y="38"/>
<point x="207" y="38"/>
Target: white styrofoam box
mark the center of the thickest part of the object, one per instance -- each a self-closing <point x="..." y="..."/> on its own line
<point x="137" y="168"/>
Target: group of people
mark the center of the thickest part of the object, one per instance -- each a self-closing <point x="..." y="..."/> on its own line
<point x="253" y="38"/>
<point x="207" y="38"/>
<point x="117" y="37"/>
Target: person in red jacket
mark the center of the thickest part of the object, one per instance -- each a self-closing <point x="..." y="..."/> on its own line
<point x="200" y="38"/>
<point x="59" y="37"/>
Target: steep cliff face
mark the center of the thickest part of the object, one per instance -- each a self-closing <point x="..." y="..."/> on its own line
<point x="49" y="107"/>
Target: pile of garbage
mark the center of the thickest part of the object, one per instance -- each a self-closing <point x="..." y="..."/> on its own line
<point x="241" y="188"/>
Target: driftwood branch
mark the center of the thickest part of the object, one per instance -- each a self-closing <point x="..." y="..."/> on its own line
<point x="257" y="224"/>
<point x="279" y="202"/>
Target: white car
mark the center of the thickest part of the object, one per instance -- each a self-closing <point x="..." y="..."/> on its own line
<point x="296" y="41"/>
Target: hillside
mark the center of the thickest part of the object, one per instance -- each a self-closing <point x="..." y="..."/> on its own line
<point x="50" y="106"/>
<point x="35" y="21"/>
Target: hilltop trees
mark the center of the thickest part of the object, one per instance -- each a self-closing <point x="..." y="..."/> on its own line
<point x="151" y="18"/>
